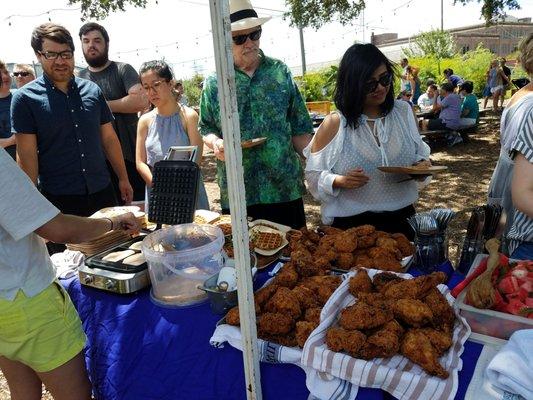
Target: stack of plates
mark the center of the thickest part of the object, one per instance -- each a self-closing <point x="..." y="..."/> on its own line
<point x="112" y="238"/>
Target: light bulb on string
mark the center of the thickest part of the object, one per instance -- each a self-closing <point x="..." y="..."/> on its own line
<point x="49" y="19"/>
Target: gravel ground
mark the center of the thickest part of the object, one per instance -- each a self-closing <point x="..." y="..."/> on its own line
<point x="461" y="188"/>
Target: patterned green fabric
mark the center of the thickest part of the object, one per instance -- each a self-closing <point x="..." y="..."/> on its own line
<point x="270" y="105"/>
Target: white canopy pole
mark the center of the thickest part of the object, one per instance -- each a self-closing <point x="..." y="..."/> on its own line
<point x="231" y="130"/>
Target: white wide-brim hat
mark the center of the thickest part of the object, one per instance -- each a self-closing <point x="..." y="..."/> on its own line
<point x="243" y="16"/>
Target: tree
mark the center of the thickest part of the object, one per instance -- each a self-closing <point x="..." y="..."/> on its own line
<point x="493" y="10"/>
<point x="302" y="13"/>
<point x="435" y="44"/>
<point x="315" y="13"/>
<point x="99" y="9"/>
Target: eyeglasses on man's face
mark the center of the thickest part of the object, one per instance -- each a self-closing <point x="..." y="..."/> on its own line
<point x="54" y="55"/>
<point x="241" y="39"/>
<point x="21" y="73"/>
<point x="384" y="80"/>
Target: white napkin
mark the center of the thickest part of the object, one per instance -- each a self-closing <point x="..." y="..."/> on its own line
<point x="512" y="368"/>
<point x="67" y="263"/>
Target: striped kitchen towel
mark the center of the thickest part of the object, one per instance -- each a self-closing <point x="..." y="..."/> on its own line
<point x="396" y="375"/>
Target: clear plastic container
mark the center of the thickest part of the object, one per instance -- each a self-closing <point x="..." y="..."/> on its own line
<point x="489" y="322"/>
<point x="179" y="258"/>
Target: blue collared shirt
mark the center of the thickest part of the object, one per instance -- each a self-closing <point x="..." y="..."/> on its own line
<point x="67" y="126"/>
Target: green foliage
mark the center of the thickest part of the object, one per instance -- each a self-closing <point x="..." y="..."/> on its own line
<point x="436" y="45"/>
<point x="493" y="10"/>
<point x="99" y="9"/>
<point x="315" y="13"/>
<point x="192" y="89"/>
<point x="318" y="85"/>
<point x="471" y="66"/>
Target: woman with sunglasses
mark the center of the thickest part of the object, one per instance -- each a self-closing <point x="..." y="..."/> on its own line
<point x="370" y="129"/>
<point x="168" y="124"/>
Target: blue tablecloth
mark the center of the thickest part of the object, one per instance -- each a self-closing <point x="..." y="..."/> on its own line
<point x="138" y="351"/>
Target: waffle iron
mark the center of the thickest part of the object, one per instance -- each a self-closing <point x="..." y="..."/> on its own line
<point x="172" y="201"/>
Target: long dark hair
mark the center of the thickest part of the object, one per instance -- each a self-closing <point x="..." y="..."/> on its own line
<point x="356" y="68"/>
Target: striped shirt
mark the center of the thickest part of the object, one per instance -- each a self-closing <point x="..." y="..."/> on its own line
<point x="522" y="225"/>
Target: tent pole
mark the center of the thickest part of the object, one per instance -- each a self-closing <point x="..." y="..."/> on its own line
<point x="229" y="116"/>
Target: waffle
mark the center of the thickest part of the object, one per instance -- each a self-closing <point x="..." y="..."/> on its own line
<point x="226" y="228"/>
<point x="198" y="219"/>
<point x="267" y="240"/>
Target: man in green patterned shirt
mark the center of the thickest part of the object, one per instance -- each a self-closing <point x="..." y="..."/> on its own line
<point x="270" y="105"/>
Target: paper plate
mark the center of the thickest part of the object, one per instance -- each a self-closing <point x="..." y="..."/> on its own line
<point x="269" y="224"/>
<point x="246" y="144"/>
<point x="414" y="170"/>
<point x="262" y="228"/>
<point x="206" y="216"/>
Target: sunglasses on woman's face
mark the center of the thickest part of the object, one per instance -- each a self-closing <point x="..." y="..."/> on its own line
<point x="240" y="39"/>
<point x="384" y="80"/>
<point x="23" y="73"/>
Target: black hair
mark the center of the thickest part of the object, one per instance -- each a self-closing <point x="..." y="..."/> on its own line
<point x="161" y="68"/>
<point x="448" y="71"/>
<point x="358" y="64"/>
<point x="434" y="87"/>
<point x="93" y="26"/>
<point x="54" y="32"/>
<point x="447" y="86"/>
<point x="467" y="86"/>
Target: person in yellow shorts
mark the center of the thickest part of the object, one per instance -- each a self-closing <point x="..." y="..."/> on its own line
<point x="41" y="337"/>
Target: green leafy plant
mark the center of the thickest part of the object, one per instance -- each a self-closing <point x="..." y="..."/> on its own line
<point x="436" y="45"/>
<point x="193" y="88"/>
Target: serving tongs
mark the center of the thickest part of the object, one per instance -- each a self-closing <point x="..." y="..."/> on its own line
<point x="473" y="242"/>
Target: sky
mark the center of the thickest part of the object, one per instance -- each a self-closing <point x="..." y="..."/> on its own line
<point x="179" y="30"/>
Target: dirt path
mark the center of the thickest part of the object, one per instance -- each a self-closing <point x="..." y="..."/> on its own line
<point x="461" y="188"/>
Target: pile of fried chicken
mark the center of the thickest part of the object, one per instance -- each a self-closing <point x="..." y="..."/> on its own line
<point x="288" y="309"/>
<point x="363" y="246"/>
<point x="394" y="315"/>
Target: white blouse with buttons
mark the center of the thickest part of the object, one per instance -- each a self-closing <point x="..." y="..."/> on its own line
<point x="400" y="144"/>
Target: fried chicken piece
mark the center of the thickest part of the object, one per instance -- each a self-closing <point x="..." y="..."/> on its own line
<point x="275" y="323"/>
<point x="382" y="343"/>
<point x="303" y="330"/>
<point x="232" y="317"/>
<point x="364" y="262"/>
<point x="363" y="316"/>
<point x="313" y="315"/>
<point x="395" y="327"/>
<point x="404" y="245"/>
<point x="285" y="302"/>
<point x="345" y="242"/>
<point x="287" y="276"/>
<point x="387" y="242"/>
<point x="366" y="241"/>
<point x="385" y="251"/>
<point x="345" y="261"/>
<point x="363" y="230"/>
<point x="387" y="264"/>
<point x="306" y="297"/>
<point x="412" y="312"/>
<point x="311" y="235"/>
<point x="418" y="348"/>
<point x="415" y="288"/>
<point x="288" y="339"/>
<point x="360" y="283"/>
<point x="440" y="340"/>
<point x="327" y="241"/>
<point x="327" y="253"/>
<point x="338" y="339"/>
<point x="324" y="293"/>
<point x="381" y="234"/>
<point x="376" y="300"/>
<point x="442" y="311"/>
<point x="329" y="230"/>
<point x="382" y="279"/>
<point x="264" y="294"/>
<point x="323" y="264"/>
<point x="304" y="263"/>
